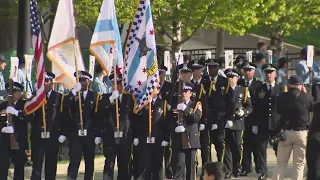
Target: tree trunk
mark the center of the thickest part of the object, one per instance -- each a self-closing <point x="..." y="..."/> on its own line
<point x="220" y="44"/>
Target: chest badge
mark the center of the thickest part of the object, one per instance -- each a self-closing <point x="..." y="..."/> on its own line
<point x="222" y="89"/>
<point x="160" y="111"/>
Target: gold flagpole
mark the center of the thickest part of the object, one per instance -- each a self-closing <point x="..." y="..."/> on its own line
<point x="79" y="95"/>
<point x="150" y="117"/>
<point x="116" y="87"/>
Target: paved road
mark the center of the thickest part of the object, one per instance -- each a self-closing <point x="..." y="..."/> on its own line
<point x="99" y="163"/>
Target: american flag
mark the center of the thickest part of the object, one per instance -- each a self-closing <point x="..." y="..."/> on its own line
<point x="37" y="101"/>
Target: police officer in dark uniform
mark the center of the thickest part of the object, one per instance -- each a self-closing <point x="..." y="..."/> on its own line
<point x="238" y="65"/>
<point x="249" y="139"/>
<point x="81" y="138"/>
<point x="191" y="113"/>
<point x="165" y="92"/>
<point x="199" y="81"/>
<point x="220" y="106"/>
<point x="235" y="127"/>
<point x="45" y="143"/>
<point x="265" y="115"/>
<point x="19" y="120"/>
<point x="151" y="142"/>
<point x="117" y="143"/>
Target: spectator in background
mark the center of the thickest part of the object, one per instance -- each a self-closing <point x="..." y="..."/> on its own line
<point x="213" y="171"/>
<point x="3" y="64"/>
<point x="22" y="79"/>
<point x="316" y="77"/>
<point x="98" y="84"/>
<point x="259" y="61"/>
<point x="282" y="76"/>
<point x="313" y="146"/>
<point x="302" y="69"/>
<point x="262" y="47"/>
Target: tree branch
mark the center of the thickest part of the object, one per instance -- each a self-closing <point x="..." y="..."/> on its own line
<point x="163" y="29"/>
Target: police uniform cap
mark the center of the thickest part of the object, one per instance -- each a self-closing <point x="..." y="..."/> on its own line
<point x="240" y="60"/>
<point x="197" y="64"/>
<point x="49" y="76"/>
<point x="248" y="66"/>
<point x="83" y="75"/>
<point x="119" y="77"/>
<point x="188" y="86"/>
<point x="230" y="73"/>
<point x="16" y="86"/>
<point x="185" y="68"/>
<point x="268" y="68"/>
<point x="163" y="69"/>
<point x="2" y="58"/>
<point x="213" y="63"/>
<point x="295" y="80"/>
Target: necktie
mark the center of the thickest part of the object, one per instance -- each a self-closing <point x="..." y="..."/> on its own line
<point x="270" y="89"/>
<point x="247" y="84"/>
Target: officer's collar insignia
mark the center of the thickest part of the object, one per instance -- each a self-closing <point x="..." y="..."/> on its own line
<point x="240" y="95"/>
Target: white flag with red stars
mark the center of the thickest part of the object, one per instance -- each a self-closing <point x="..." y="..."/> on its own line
<point x="141" y="68"/>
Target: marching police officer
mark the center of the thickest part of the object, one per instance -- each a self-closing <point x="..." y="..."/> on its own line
<point x="165" y="92"/>
<point x="117" y="142"/>
<point x="152" y="139"/>
<point x="185" y="140"/>
<point x="199" y="81"/>
<point x="81" y="135"/>
<point x="236" y="126"/>
<point x="265" y="115"/>
<point x="220" y="106"/>
<point x="19" y="129"/>
<point x="249" y="139"/>
<point x="44" y="139"/>
<point x="98" y="84"/>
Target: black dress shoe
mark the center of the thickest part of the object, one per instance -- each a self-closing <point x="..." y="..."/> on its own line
<point x="258" y="170"/>
<point x="237" y="174"/>
<point x="228" y="176"/>
<point x="244" y="173"/>
<point x="169" y="174"/>
<point x="262" y="177"/>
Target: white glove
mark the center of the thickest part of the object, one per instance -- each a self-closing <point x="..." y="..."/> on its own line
<point x="164" y="143"/>
<point x="114" y="96"/>
<point x="135" y="141"/>
<point x="229" y="124"/>
<point x="255" y="129"/>
<point x="62" y="139"/>
<point x="7" y="130"/>
<point x="168" y="107"/>
<point x="240" y="113"/>
<point x="76" y="88"/>
<point x="180" y="129"/>
<point x="12" y="110"/>
<point x="214" y="127"/>
<point x="181" y="106"/>
<point x="201" y="127"/>
<point x="97" y="140"/>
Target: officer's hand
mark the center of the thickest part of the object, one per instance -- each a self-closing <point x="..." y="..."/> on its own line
<point x="164" y="143"/>
<point x="12" y="110"/>
<point x="62" y="139"/>
<point x="180" y="129"/>
<point x="201" y="127"/>
<point x="304" y="89"/>
<point x="97" y="140"/>
<point x="7" y="130"/>
<point x="4" y="130"/>
<point x="181" y="106"/>
<point x="76" y="88"/>
<point x="114" y="96"/>
<point x="214" y="127"/>
<point x="229" y="124"/>
<point x="255" y="129"/>
<point x="240" y="113"/>
<point x="135" y="141"/>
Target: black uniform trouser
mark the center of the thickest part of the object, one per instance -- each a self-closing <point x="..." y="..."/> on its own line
<point x="313" y="157"/>
<point x="149" y="164"/>
<point x="233" y="150"/>
<point x="47" y="149"/>
<point x="205" y="146"/>
<point x="123" y="154"/>
<point x="167" y="158"/>
<point x="17" y="157"/>
<point x="217" y="138"/>
<point x="263" y="140"/>
<point x="77" y="148"/>
<point x="316" y="92"/>
<point x="184" y="160"/>
<point x="249" y="147"/>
